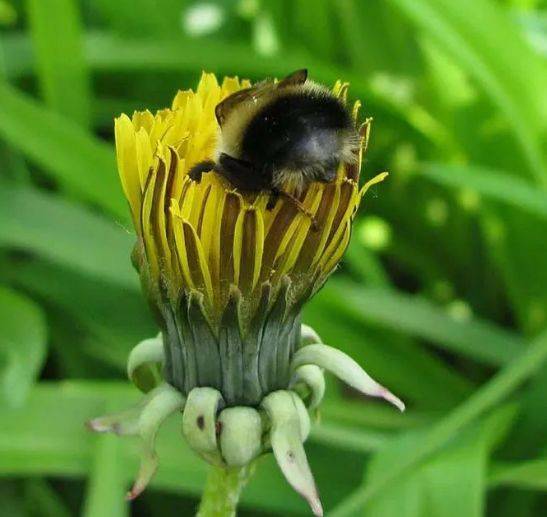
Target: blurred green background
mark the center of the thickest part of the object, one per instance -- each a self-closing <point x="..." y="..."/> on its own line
<point x="442" y="295"/>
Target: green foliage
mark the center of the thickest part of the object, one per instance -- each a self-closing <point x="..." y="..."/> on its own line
<point x="59" y="60"/>
<point x="444" y="301"/>
<point x="22" y="345"/>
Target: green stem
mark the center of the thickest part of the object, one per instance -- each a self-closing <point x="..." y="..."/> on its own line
<point x="222" y="491"/>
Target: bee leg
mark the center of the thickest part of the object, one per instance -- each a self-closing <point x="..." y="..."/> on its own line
<point x="198" y="169"/>
<point x="272" y="200"/>
<point x="240" y="173"/>
<point x="297" y="204"/>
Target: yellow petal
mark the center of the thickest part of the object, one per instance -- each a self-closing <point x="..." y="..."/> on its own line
<point x="304" y="229"/>
<point x="377" y="179"/>
<point x="248" y="249"/>
<point x="126" y="155"/>
<point x="232" y="206"/>
<point x="315" y="241"/>
<point x="333" y="255"/>
<point x="191" y="258"/>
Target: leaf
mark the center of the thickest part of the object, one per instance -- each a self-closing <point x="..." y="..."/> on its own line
<point x="23" y="340"/>
<point x="70" y="155"/>
<point x="487" y="49"/>
<point x="438" y="435"/>
<point x="496" y="185"/>
<point x="365" y="265"/>
<point x="456" y="479"/>
<point x="115" y="317"/>
<point x="478" y="340"/>
<point x="528" y="436"/>
<point x="39" y="494"/>
<point x="452" y="483"/>
<point x="342" y="437"/>
<point x="60" y="64"/>
<point x="66" y="234"/>
<point x="142" y="18"/>
<point x="526" y="474"/>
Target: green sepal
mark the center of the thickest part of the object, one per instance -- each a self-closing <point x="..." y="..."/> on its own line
<point x="314" y="380"/>
<point x="188" y="348"/>
<point x="252" y="343"/>
<point x="345" y="368"/>
<point x="199" y="422"/>
<point x="208" y="365"/>
<point x="125" y="422"/>
<point x="240" y="430"/>
<point x="231" y="349"/>
<point x="308" y="336"/>
<point x="145" y="364"/>
<point x="174" y="369"/>
<point x="277" y="342"/>
<point x="164" y="402"/>
<point x="122" y="423"/>
<point x="289" y="428"/>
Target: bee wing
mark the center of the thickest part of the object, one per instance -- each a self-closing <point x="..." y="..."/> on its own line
<point x="296" y="78"/>
<point x="224" y="107"/>
<point x="229" y="103"/>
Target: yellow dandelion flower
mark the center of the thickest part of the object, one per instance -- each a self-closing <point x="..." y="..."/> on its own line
<point x="227" y="277"/>
<point x="208" y="237"/>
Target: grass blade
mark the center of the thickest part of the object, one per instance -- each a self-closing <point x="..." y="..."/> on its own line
<point x="32" y="220"/>
<point x="346" y="438"/>
<point x="61" y="67"/>
<point x="116" y="318"/>
<point x="530" y="475"/>
<point x="450" y="484"/>
<point x="22" y="345"/>
<point x="105" y="53"/>
<point x="70" y="155"/>
<point x="39" y="494"/>
<point x="416" y="316"/>
<point x="485" y="42"/>
<point x="499" y="387"/>
<point x="496" y="185"/>
<point x="107" y="482"/>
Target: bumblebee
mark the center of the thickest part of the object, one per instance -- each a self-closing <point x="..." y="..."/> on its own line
<point x="281" y="136"/>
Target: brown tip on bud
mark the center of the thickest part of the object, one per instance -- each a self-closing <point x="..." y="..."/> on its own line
<point x="389" y="397"/>
<point x="136" y="490"/>
<point x="316" y="506"/>
<point x="314" y="501"/>
<point x="96" y="426"/>
<point x="131" y="495"/>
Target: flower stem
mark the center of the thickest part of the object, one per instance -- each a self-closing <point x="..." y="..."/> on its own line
<point x="222" y="491"/>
